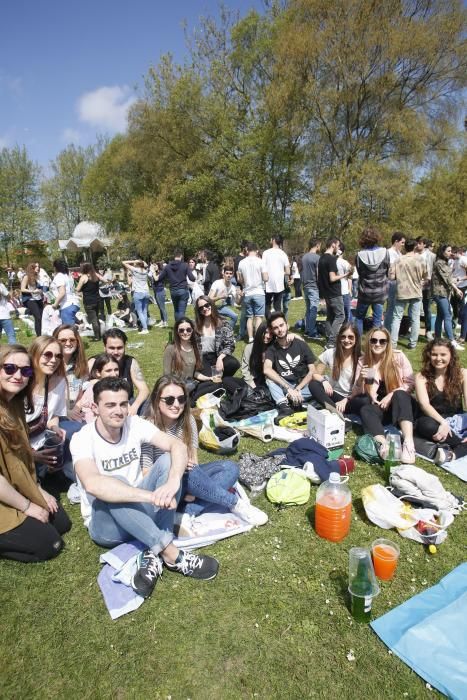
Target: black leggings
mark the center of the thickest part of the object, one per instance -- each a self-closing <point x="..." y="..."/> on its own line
<point x="426" y="427"/>
<point x="353" y="405"/>
<point x="92" y="312"/>
<point x="33" y="541"/>
<point x="36" y="308"/>
<point x="374" y="418"/>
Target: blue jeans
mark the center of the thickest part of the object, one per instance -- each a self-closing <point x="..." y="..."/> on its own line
<point x="228" y="313"/>
<point x="180" y="301"/>
<point x="311" y="312"/>
<point x="68" y="314"/>
<point x="429" y="320"/>
<point x="242" y="328"/>
<point x="6" y="324"/>
<point x="391" y="300"/>
<point x="70" y="427"/>
<point x="114" y="523"/>
<point x="278" y="393"/>
<point x="286" y="297"/>
<point x="209" y="483"/>
<point x="415" y="308"/>
<point x="255" y="305"/>
<point x="141" y="302"/>
<point x="160" y="301"/>
<point x="360" y="313"/>
<point x="443" y="313"/>
<point x="334" y="318"/>
<point x="346" y="298"/>
<point x="463" y="319"/>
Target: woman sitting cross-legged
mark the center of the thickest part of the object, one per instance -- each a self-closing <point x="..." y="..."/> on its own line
<point x="203" y="485"/>
<point x="381" y="393"/>
<point x="341" y="364"/>
<point x="31" y="520"/>
<point x="441" y="386"/>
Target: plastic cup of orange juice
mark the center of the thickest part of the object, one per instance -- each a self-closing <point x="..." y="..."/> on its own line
<point x="385" y="555"/>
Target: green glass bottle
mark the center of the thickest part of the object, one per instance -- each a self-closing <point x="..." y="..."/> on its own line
<point x="361" y="595"/>
<point x="390" y="461"/>
<point x="212" y="422"/>
<point x="171" y="337"/>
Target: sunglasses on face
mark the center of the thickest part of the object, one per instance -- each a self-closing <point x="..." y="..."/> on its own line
<point x="203" y="307"/>
<point x="170" y="400"/>
<point x="49" y="355"/>
<point x="347" y="337"/>
<point x="378" y="341"/>
<point x="64" y="341"/>
<point x="186" y="329"/>
<point x="11" y="369"/>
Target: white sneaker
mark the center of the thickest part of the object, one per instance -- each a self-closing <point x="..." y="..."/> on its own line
<point x="143" y="332"/>
<point x="164" y="324"/>
<point x="456" y="345"/>
<point x="250" y="514"/>
<point x="429" y="335"/>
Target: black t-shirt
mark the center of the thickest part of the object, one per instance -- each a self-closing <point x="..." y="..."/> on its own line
<point x="327" y="289"/>
<point x="291" y="363"/>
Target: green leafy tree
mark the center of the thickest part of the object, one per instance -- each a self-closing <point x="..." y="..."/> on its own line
<point x="19" y="212"/>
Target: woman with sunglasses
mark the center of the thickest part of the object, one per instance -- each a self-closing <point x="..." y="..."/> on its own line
<point x="335" y="376"/>
<point x="76" y="366"/>
<point x="32" y="295"/>
<point x="182" y="357"/>
<point x="31" y="520"/>
<point x="203" y="485"/>
<point x="442" y="286"/>
<point x="215" y="339"/>
<point x="382" y="392"/>
<point x="49" y="393"/>
<point x="104" y="366"/>
<point x="441" y="391"/>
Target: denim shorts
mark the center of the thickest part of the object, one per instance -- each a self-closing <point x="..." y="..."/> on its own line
<point x="255" y="305"/>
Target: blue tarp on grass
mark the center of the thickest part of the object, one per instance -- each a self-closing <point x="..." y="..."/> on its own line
<point x="429" y="633"/>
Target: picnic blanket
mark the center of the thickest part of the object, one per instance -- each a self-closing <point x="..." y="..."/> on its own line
<point x="427" y="634"/>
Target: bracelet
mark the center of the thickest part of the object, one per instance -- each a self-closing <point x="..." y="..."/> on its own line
<point x="27" y="506"/>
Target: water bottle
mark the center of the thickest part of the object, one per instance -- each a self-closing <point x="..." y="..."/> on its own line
<point x="333" y="508"/>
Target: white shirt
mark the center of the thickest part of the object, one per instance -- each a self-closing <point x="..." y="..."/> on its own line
<point x="275" y="262"/>
<point x="5" y="306"/>
<point x="120" y="459"/>
<point x="342" y="385"/>
<point x="394" y="255"/>
<point x="460" y="270"/>
<point x="56" y="406"/>
<point x="343" y="266"/>
<point x="251" y="269"/>
<point x="221" y="290"/>
<point x="62" y="280"/>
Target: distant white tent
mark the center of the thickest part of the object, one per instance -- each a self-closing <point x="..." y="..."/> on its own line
<point x="87" y="236"/>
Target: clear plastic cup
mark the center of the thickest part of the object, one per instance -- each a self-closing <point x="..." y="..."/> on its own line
<point x="385" y="555"/>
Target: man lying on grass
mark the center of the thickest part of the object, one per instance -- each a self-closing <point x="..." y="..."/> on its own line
<point x="117" y="503"/>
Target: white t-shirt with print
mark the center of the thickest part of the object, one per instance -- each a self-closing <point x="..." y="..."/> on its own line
<point x="342" y="385"/>
<point x="275" y="261"/>
<point x="121" y="459"/>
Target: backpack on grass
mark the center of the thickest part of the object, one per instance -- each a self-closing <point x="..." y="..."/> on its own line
<point x="366" y="449"/>
<point x="289" y="487"/>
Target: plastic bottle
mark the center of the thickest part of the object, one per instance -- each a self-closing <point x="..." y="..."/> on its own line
<point x="333" y="509"/>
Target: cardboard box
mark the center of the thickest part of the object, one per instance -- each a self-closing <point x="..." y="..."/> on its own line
<point x="326" y="426"/>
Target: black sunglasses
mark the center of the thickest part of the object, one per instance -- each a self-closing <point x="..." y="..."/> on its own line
<point x="201" y="307"/>
<point x="378" y="341"/>
<point x="185" y="329"/>
<point x="170" y="400"/>
<point x="11" y="369"/>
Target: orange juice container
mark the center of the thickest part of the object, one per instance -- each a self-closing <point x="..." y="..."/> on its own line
<point x="333" y="508"/>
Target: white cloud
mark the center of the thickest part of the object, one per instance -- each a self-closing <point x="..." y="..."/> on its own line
<point x="71" y="135"/>
<point x="106" y="107"/>
<point x="12" y="84"/>
<point x="3" y="142"/>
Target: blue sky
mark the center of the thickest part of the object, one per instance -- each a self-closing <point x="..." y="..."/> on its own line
<point x="69" y="70"/>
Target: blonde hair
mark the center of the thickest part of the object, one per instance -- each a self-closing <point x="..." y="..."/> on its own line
<point x="39" y="346"/>
<point x="388" y="368"/>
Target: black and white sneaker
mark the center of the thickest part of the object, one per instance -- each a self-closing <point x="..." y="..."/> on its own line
<point x="149" y="570"/>
<point x="191" y="564"/>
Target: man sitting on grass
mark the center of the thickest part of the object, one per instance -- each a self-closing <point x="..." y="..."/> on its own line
<point x="288" y="366"/>
<point x="115" y="341"/>
<point x="117" y="503"/>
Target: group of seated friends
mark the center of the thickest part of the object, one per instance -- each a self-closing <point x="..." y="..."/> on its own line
<point x="134" y="458"/>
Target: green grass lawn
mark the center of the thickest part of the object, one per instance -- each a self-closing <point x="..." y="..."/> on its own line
<point x="273" y="624"/>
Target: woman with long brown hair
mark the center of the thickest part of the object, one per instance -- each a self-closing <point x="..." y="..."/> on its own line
<point x="441" y="391"/>
<point x="89" y="285"/>
<point x="215" y="339"/>
<point x="32" y="295"/>
<point x="31" y="520"/>
<point x="335" y="375"/>
<point x="182" y="357"/>
<point x="169" y="410"/>
<point x="382" y="392"/>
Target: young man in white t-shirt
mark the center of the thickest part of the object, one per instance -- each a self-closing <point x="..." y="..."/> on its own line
<point x="224" y="292"/>
<point x="252" y="275"/>
<point x="277" y="265"/>
<point x="118" y="504"/>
